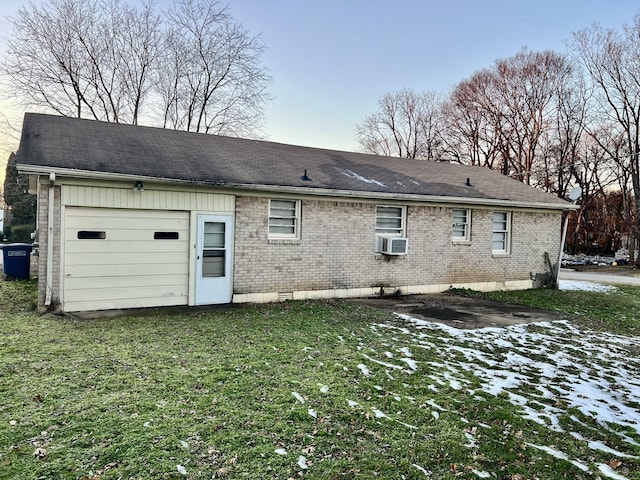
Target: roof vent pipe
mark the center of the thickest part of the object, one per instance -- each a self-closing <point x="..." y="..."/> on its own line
<point x="468" y="184"/>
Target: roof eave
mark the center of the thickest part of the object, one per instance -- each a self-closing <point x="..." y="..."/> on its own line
<point x="293" y="190"/>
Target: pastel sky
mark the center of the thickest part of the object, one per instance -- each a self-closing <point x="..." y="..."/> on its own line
<point x="331" y="60"/>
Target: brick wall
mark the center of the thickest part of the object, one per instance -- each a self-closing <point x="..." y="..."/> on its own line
<point x="336" y="249"/>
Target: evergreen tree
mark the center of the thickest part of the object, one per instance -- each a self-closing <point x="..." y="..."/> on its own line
<point x="20" y="217"/>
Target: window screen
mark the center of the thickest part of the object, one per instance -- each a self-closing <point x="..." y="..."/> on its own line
<point x="284" y="218"/>
<point x="390" y="220"/>
<point x="501" y="232"/>
<point x="461" y="224"/>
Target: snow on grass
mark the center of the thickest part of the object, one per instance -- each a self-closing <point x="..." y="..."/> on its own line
<point x="549" y="370"/>
<point x="609" y="472"/>
<point x="585" y="286"/>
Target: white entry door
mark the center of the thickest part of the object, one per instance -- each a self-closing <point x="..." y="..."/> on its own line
<point x="214" y="259"/>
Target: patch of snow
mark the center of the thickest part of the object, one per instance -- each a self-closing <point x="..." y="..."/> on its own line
<point x="352" y="403"/>
<point x="323" y="388"/>
<point x="609" y="472"/>
<point x="363" y="368"/>
<point x="298" y="397"/>
<point x="595" y="445"/>
<point x="405" y="351"/>
<point x="412" y="427"/>
<point x="380" y="362"/>
<point x="585" y="286"/>
<point x="435" y="414"/>
<point x="551" y="451"/>
<point x="426" y="472"/>
<point x="378" y="413"/>
<point x="413" y="365"/>
<point x="181" y="470"/>
<point x="481" y="473"/>
<point x="355" y="176"/>
<point x="302" y="462"/>
<point x="313" y="413"/>
<point x="280" y="451"/>
<point x="546" y="369"/>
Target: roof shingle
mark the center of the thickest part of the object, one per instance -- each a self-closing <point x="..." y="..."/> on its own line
<point x="53" y="142"/>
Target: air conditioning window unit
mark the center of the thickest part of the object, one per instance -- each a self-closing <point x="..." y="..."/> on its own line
<point x="393" y="245"/>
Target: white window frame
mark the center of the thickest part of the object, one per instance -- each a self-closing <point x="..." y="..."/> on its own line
<point x="466" y="237"/>
<point x="505" y="232"/>
<point x="393" y="232"/>
<point x="296" y="220"/>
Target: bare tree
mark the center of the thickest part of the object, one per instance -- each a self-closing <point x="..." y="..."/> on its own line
<point x="191" y="67"/>
<point x="83" y="58"/>
<point x="471" y="131"/>
<point x="612" y="61"/>
<point x="211" y="79"/>
<point x="407" y="124"/>
<point x="499" y="117"/>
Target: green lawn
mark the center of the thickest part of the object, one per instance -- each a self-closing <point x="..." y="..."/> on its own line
<point x="220" y="394"/>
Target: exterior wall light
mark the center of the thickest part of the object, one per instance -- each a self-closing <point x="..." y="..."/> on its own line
<point x="138" y="187"/>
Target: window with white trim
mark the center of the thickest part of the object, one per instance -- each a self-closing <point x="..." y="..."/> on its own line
<point x="461" y="230"/>
<point x="501" y="236"/>
<point x="284" y="219"/>
<point x="390" y="221"/>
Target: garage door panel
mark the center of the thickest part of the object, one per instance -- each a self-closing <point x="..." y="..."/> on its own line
<point x="126" y="219"/>
<point x="142" y="257"/>
<point x="136" y="270"/>
<point x="125" y="267"/>
<point x="80" y="283"/>
<point x="124" y="293"/>
<point x="115" y="303"/>
<point x="131" y="247"/>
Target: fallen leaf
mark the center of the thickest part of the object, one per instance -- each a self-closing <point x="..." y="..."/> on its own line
<point x="613" y="463"/>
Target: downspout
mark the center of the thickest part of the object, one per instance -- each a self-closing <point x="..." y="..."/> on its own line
<point x="50" y="220"/>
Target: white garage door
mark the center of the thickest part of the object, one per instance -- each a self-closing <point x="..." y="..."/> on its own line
<point x="121" y="258"/>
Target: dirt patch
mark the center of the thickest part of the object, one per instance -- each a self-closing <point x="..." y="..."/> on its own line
<point x="460" y="312"/>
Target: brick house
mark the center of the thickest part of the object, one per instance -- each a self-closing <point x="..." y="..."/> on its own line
<point x="133" y="216"/>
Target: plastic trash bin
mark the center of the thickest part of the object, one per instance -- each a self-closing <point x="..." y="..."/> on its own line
<point x="16" y="259"/>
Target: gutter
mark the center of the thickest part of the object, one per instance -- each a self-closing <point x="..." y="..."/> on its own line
<point x="293" y="190"/>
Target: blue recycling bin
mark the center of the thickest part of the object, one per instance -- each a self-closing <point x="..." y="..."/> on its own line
<point x="16" y="260"/>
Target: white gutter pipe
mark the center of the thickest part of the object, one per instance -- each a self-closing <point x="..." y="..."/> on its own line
<point x="50" y="240"/>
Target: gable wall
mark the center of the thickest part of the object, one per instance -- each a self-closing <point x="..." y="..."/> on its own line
<point x="336" y="252"/>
